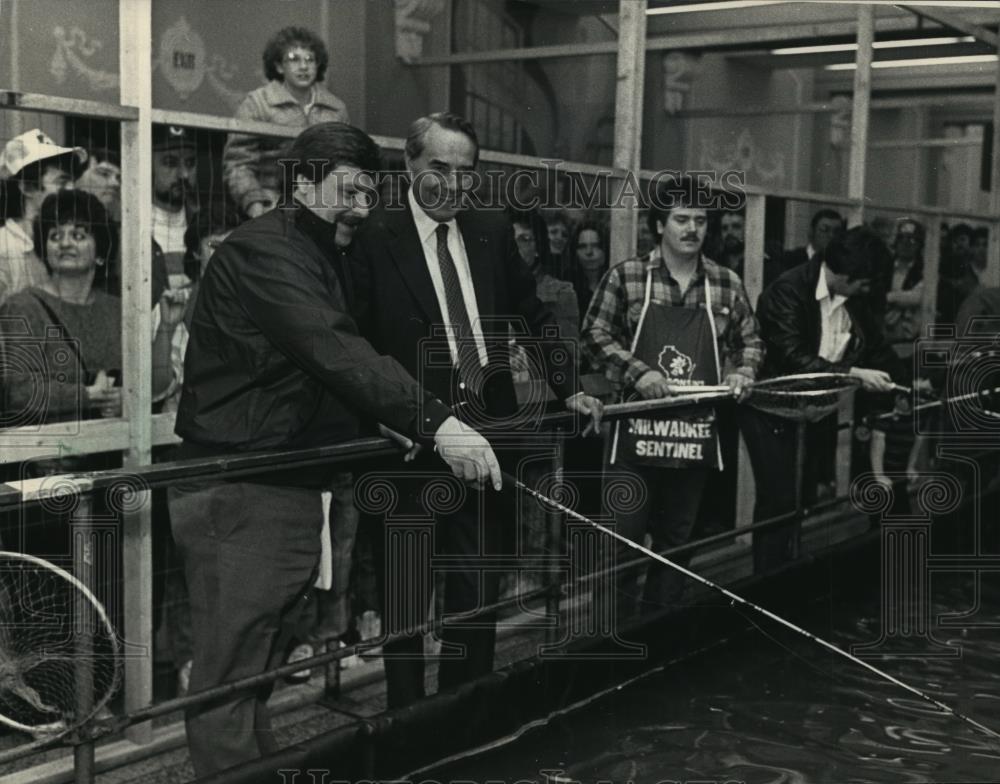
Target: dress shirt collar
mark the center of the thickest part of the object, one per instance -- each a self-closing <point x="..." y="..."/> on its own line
<point x="426" y="225"/>
<point x="655" y="259"/>
<point x="823" y="290"/>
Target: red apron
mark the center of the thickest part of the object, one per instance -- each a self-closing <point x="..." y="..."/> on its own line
<point x="680" y="343"/>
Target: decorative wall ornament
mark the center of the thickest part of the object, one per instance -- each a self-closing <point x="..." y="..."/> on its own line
<point x="678" y="73"/>
<point x="181" y="59"/>
<point x="413" y="22"/>
<point x="72" y="49"/>
<point x="840" y="122"/>
<point x="743" y="155"/>
<point x="218" y="73"/>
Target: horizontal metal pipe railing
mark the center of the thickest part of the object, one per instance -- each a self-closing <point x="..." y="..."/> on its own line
<point x="12" y="100"/>
<point x="157" y="475"/>
<point x="240" y="465"/>
<point x="119" y="723"/>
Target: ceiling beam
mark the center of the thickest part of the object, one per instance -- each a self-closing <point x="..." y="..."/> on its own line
<point x="948" y="19"/>
<point x="706" y="39"/>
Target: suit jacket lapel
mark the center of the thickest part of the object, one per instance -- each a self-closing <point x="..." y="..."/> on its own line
<point x="478" y="251"/>
<point x="408" y="255"/>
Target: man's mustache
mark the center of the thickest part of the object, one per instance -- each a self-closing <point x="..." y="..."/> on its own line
<point x="690" y="238"/>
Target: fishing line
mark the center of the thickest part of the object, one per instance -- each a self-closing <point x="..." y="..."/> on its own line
<point x="736" y="598"/>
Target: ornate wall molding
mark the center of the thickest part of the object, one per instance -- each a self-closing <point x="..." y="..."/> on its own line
<point x="678" y="73"/>
<point x="73" y="48"/>
<point x="181" y="59"/>
<point x="742" y="155"/>
<point x="413" y="23"/>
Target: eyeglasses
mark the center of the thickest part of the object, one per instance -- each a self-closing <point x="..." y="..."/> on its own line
<point x="295" y="58"/>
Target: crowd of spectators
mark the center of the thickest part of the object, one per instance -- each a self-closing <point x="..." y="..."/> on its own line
<point x="61" y="277"/>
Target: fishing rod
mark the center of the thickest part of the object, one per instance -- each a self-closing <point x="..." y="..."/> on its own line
<point x="737" y="599"/>
<point x="983" y="394"/>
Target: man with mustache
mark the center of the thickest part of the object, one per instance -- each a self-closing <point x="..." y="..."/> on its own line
<point x="175" y="200"/>
<point x="274" y="362"/>
<point x="656" y="323"/>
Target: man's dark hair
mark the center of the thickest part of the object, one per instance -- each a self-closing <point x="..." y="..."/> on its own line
<point x="676" y="193"/>
<point x="78" y="208"/>
<point x="858" y="254"/>
<point x="825" y="214"/>
<point x="30" y="177"/>
<point x="219" y="216"/>
<point x="557" y="216"/>
<point x="283" y="40"/>
<point x="919" y="232"/>
<point x="980" y="233"/>
<point x="100" y="154"/>
<point x="447" y="120"/>
<point x="961" y="228"/>
<point x="321" y="148"/>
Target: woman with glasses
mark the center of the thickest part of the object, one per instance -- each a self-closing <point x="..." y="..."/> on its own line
<point x="295" y="62"/>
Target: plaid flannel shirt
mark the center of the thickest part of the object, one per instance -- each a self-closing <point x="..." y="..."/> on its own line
<point x="610" y="323"/>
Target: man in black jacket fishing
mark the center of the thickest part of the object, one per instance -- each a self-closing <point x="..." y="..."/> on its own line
<point x="275" y="362"/>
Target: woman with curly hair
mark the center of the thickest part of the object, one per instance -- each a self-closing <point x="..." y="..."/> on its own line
<point x="295" y="62"/>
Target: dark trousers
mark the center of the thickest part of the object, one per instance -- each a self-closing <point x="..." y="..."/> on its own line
<point x="463" y="522"/>
<point x="771" y="444"/>
<point x="250" y="553"/>
<point x="667" y="513"/>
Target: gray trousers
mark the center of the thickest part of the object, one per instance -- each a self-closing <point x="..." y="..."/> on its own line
<point x="250" y="553"/>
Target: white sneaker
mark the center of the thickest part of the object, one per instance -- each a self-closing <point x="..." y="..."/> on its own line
<point x="349" y="662"/>
<point x="184" y="678"/>
<point x="299" y="653"/>
<point x="370" y="625"/>
<point x="370" y="628"/>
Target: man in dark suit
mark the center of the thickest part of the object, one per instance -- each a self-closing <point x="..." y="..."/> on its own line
<point x="814" y="319"/>
<point x="825" y="225"/>
<point x="438" y="288"/>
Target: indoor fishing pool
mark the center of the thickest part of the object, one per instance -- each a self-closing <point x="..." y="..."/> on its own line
<point x="772" y="706"/>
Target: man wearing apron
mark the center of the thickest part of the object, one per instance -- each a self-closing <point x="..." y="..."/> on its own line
<point x="656" y="323"/>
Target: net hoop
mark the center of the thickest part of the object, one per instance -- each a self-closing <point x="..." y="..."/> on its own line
<point x="821" y="397"/>
<point x="55" y="729"/>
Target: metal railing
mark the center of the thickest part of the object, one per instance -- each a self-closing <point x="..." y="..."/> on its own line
<point x="139" y="482"/>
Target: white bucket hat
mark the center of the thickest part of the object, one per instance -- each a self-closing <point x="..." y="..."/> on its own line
<point x="31" y="147"/>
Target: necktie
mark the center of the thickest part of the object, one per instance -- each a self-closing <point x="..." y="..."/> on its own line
<point x="458" y="313"/>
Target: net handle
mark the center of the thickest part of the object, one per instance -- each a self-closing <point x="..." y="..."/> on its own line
<point x="686" y="396"/>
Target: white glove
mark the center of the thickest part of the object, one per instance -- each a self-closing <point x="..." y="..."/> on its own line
<point x="467" y="453"/>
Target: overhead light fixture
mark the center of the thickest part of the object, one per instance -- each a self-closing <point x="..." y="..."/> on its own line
<point x="896" y="44"/>
<point x="919" y="62"/>
<point x="723" y="5"/>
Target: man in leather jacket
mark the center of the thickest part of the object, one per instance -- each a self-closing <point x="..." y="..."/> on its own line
<point x="814" y="319"/>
